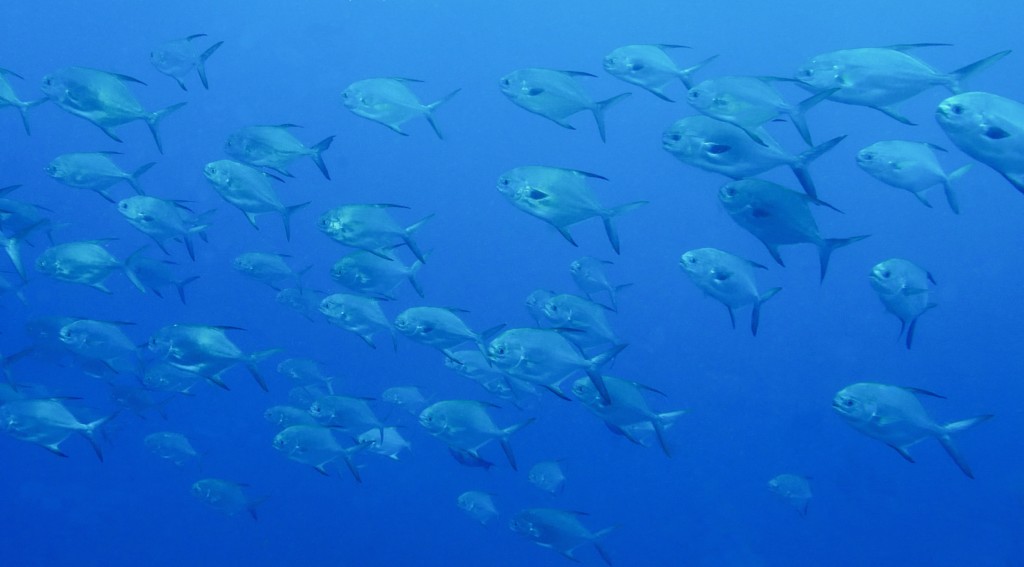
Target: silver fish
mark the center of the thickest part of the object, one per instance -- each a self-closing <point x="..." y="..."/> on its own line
<point x="650" y="67"/>
<point x="304" y="301"/>
<point x="548" y="476"/>
<point x="369" y="227"/>
<point x="439" y="328"/>
<point x="177" y="58"/>
<point x="346" y="413"/>
<point x="205" y="350"/>
<point x="989" y="128"/>
<point x="560" y="530"/>
<point x="903" y="288"/>
<point x="794" y="489"/>
<point x="389" y="101"/>
<point x="304" y="371"/>
<point x="9" y="98"/>
<point x="390" y="445"/>
<point x="47" y="423"/>
<point x="102" y="341"/>
<point x="727" y="278"/>
<point x="357" y="314"/>
<point x="555" y="95"/>
<point x="911" y="166"/>
<point x="315" y="446"/>
<point x="478" y="505"/>
<point x="249" y="189"/>
<point x="465" y="425"/>
<point x="581" y="321"/>
<point x="171" y="446"/>
<point x="274" y="147"/>
<point x="156" y="275"/>
<point x="287" y="416"/>
<point x="267" y="268"/>
<point x="628" y="411"/>
<point x="408" y="398"/>
<point x="226" y="496"/>
<point x="535" y="304"/>
<point x="370" y="274"/>
<point x="86" y="263"/>
<point x="589" y="274"/>
<point x="94" y="171"/>
<point x="164" y="220"/>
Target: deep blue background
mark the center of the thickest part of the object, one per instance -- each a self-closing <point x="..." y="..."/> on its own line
<point x="758" y="407"/>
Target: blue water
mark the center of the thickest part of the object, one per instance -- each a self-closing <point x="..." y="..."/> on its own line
<point x="758" y="406"/>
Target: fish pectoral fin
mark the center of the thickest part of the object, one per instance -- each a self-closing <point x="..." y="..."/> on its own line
<point x="903" y="453"/>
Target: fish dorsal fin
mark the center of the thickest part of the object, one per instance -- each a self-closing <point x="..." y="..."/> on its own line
<point x="578" y="73"/>
<point x="931" y="278"/>
<point x="649" y="388"/>
<point x="226" y="327"/>
<point x="909" y="46"/>
<point x="588" y="174"/>
<point x="128" y="78"/>
<point x="109" y="153"/>
<point x="484" y="404"/>
<point x="775" y="79"/>
<point x="406" y="80"/>
<point x="577" y="512"/>
<point x="672" y="46"/>
<point x="11" y="73"/>
<point x="936" y="147"/>
<point x="921" y="392"/>
<point x="195" y="36"/>
<point x="286" y="125"/>
<point x="389" y="206"/>
<point x="754" y="264"/>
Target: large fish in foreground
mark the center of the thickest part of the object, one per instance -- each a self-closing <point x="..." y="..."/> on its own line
<point x="903" y="288"/>
<point x="389" y="101"/>
<point x="894" y="416"/>
<point x="989" y="128"/>
<point x="911" y="166"/>
<point x="650" y="67"/>
<point x="560" y="530"/>
<point x="555" y="95"/>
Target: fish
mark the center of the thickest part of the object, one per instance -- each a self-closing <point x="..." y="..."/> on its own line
<point x="178" y="57"/>
<point x="478" y="505"/>
<point x="102" y="98"/>
<point x="989" y="128"/>
<point x="439" y="328"/>
<point x="548" y="476"/>
<point x="9" y="98"/>
<point x="560" y="530"/>
<point x="205" y="350"/>
<point x="304" y="301"/>
<point x="581" y="321"/>
<point x="304" y="371"/>
<point x="535" y="304"/>
<point x="729" y="279"/>
<point x="911" y="166"/>
<point x="267" y="268"/>
<point x="171" y="446"/>
<point x="881" y="77"/>
<point x="287" y="416"/>
<point x="250" y="190"/>
<point x="468" y="459"/>
<point x="94" y="171"/>
<point x="408" y="398"/>
<point x="88" y="263"/>
<point x="794" y="489"/>
<point x="48" y="423"/>
<point x="389" y="101"/>
<point x="649" y="67"/>
<point x="778" y="216"/>
<point x="158" y="274"/>
<point x="466" y="426"/>
<point x="370" y="228"/>
<point x="894" y="415"/>
<point x="274" y="147"/>
<point x="903" y="288"/>
<point x="103" y="341"/>
<point x="357" y="314"/>
<point x="346" y="413"/>
<point x="161" y="376"/>
<point x="560" y="197"/>
<point x="555" y="95"/>
<point x="390" y="445"/>
<point x="627" y="410"/>
<point x="164" y="220"/>
<point x="316" y="446"/>
<point x="589" y="275"/>
<point x="476" y="366"/>
<point x="17" y="221"/>
<point x="227" y="496"/>
<point x="370" y="274"/>
<point x="720" y="147"/>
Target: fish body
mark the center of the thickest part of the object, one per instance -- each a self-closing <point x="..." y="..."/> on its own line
<point x="911" y="166"/>
<point x="903" y="288"/>
<point x="390" y="445"/>
<point x="389" y="101"/>
<point x="794" y="489"/>
<point x="345" y="413"/>
<point x="436" y="327"/>
<point x="47" y="423"/>
<point x="316" y="446"/>
<point x="102" y="341"/>
<point x="478" y="505"/>
<point x="649" y="67"/>
<point x="989" y="128"/>
<point x="727" y="278"/>
<point x="86" y="263"/>
<point x="555" y="95"/>
<point x="303" y="371"/>
<point x="205" y="350"/>
<point x="560" y="530"/>
<point x="370" y="274"/>
<point x="164" y="220"/>
<point x="581" y="321"/>
<point x="589" y="275"/>
<point x="177" y="58"/>
<point x="274" y="147"/>
<point x="466" y="426"/>
<point x="408" y="398"/>
<point x="547" y="476"/>
<point x="94" y="171"/>
<point x="9" y="98"/>
<point x="249" y="190"/>
<point x="270" y="269"/>
<point x="627" y="410"/>
<point x="369" y="227"/>
<point x="357" y="314"/>
<point x="286" y="416"/>
<point x="224" y="495"/>
<point x="171" y="446"/>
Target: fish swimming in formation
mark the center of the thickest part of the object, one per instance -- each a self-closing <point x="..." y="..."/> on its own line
<point x="204" y="349"/>
<point x="274" y="147"/>
<point x="581" y="321"/>
<point x="560" y="530"/>
<point x="650" y="67"/>
<point x="158" y="274"/>
<point x="729" y="279"/>
<point x="478" y="505"/>
<point x="989" y="128"/>
<point x="304" y="371"/>
<point x="316" y="446"/>
<point x="93" y="171"/>
<point x="476" y="366"/>
<point x="894" y="416"/>
<point x="47" y="423"/>
<point x="439" y="328"/>
<point x="164" y="220"/>
<point x="177" y="58"/>
<point x="267" y="268"/>
<point x="903" y="288"/>
<point x="370" y="274"/>
<point x="102" y="341"/>
<point x="250" y="190"/>
<point x="389" y="445"/>
<point x="589" y="275"/>
<point x="346" y="413"/>
<point x="102" y="98"/>
<point x="555" y="95"/>
<point x="286" y="416"/>
<point x="357" y="314"/>
<point x="407" y="398"/>
<point x="560" y="197"/>
<point x="87" y="263"/>
<point x="547" y="476"/>
<point x="389" y="101"/>
<point x="226" y="496"/>
<point x="778" y="216"/>
<point x="9" y="98"/>
<point x="370" y="228"/>
<point x="465" y="425"/>
<point x="171" y="446"/>
<point x="535" y="303"/>
<point x="911" y="166"/>
<point x="794" y="489"/>
<point x="628" y="411"/>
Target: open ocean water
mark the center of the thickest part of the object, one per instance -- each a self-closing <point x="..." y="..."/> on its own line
<point x="757" y="406"/>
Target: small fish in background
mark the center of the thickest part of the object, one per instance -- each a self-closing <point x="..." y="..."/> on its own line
<point x="177" y="58"/>
<point x="465" y="425"/>
<point x="102" y="98"/>
<point x="560" y="530"/>
<point x="390" y="445"/>
<point x="48" y="423"/>
<point x="589" y="275"/>
<point x="346" y="413"/>
<point x="269" y="269"/>
<point x="555" y="95"/>
<point x="911" y="166"/>
<point x="305" y="396"/>
<point x="172" y="447"/>
<point x="94" y="171"/>
<point x="548" y="476"/>
<point x="894" y="416"/>
<point x="903" y="288"/>
<point x="560" y="197"/>
<point x="729" y="279"/>
<point x="155" y="275"/>
<point x="989" y="128"/>
<point x="15" y="288"/>
<point x="406" y="398"/>
<point x="205" y="350"/>
<point x="305" y="372"/>
<point x="286" y="416"/>
<point x="370" y="228"/>
<point x="9" y="98"/>
<point x="86" y="263"/>
<point x="227" y="496"/>
<point x="249" y="190"/>
<point x="164" y="220"/>
<point x="778" y="216"/>
<point x="357" y="314"/>
<point x="370" y="274"/>
<point x="389" y="101"/>
<point x="649" y="66"/>
<point x="469" y="459"/>
<point x="304" y="301"/>
<point x="794" y="489"/>
<point x="161" y="376"/>
<point x="274" y="147"/>
<point x="102" y="341"/>
<point x="535" y="303"/>
<point x="478" y="505"/>
<point x="882" y="77"/>
<point x="316" y="446"/>
<point x="628" y="413"/>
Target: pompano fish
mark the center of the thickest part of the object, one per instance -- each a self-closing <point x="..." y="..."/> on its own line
<point x="724" y="148"/>
<point x="408" y="398"/>
<point x="156" y="275"/>
<point x="560" y="530"/>
<point x="535" y="304"/>
<point x="102" y="341"/>
<point x="894" y="416"/>
<point x="555" y="95"/>
<point x="357" y="314"/>
<point x="177" y="58"/>
<point x="560" y="197"/>
<point x="171" y="446"/>
<point x="911" y="166"/>
<point x="87" y="263"/>
<point x="390" y="445"/>
<point x="389" y="101"/>
<point x="204" y="349"/>
<point x="903" y="288"/>
<point x="369" y="227"/>
<point x="316" y="446"/>
<point x="727" y="278"/>
<point x="476" y="366"/>
<point x="250" y="190"/>
<point x="224" y="495"/>
<point x="465" y="425"/>
<point x="548" y="476"/>
<point x="9" y="98"/>
<point x="304" y="371"/>
<point x="649" y="66"/>
<point x="162" y="376"/>
<point x="881" y="77"/>
<point x="346" y="413"/>
<point x="581" y="321"/>
<point x="369" y="273"/>
<point x="102" y="98"/>
<point x="94" y="171"/>
<point x="778" y="216"/>
<point x="267" y="268"/>
<point x="439" y="328"/>
<point x="989" y="128"/>
<point x="589" y="274"/>
<point x="302" y="300"/>
<point x="287" y="416"/>
<point x="478" y="505"/>
<point x="627" y="410"/>
<point x="274" y="147"/>
<point x="164" y="220"/>
<point x="47" y="423"/>
<point x="794" y="489"/>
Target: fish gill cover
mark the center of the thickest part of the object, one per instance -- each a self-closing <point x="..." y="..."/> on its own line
<point x="431" y="282"/>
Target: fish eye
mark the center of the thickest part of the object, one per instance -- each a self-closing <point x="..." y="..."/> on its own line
<point x="867" y="156"/>
<point x="637" y="66"/>
<point x="886" y="274"/>
<point x="505" y="82"/>
<point x="675" y="137"/>
<point x="957" y="109"/>
<point x="848" y="403"/>
<point x="693" y="94"/>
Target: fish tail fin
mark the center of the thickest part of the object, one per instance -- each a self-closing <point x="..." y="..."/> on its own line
<point x="599" y="109"/>
<point x="945" y="438"/>
<point x="133" y="178"/>
<point x="797" y="114"/>
<point x="152" y="120"/>
<point x="913" y="325"/>
<point x="23" y="109"/>
<point x="614" y="295"/>
<point x="90" y="433"/>
<point x="506" y="447"/>
<point x="963" y="73"/>
<point x="201" y="64"/>
<point x="407" y="238"/>
<point x="755" y="316"/>
<point x="947" y="186"/>
<point x="594" y="366"/>
<point x="596" y="541"/>
<point x="256" y="358"/>
<point x="684" y="74"/>
<point x="659" y="432"/>
<point x="829" y="245"/>
<point x="12" y="246"/>
<point x="609" y="214"/>
<point x="130" y="266"/>
<point x="286" y="218"/>
<point x="413" y="270"/>
<point x="805" y="159"/>
<point x="180" y="285"/>
<point x="430" y="108"/>
<point x="316" y="154"/>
